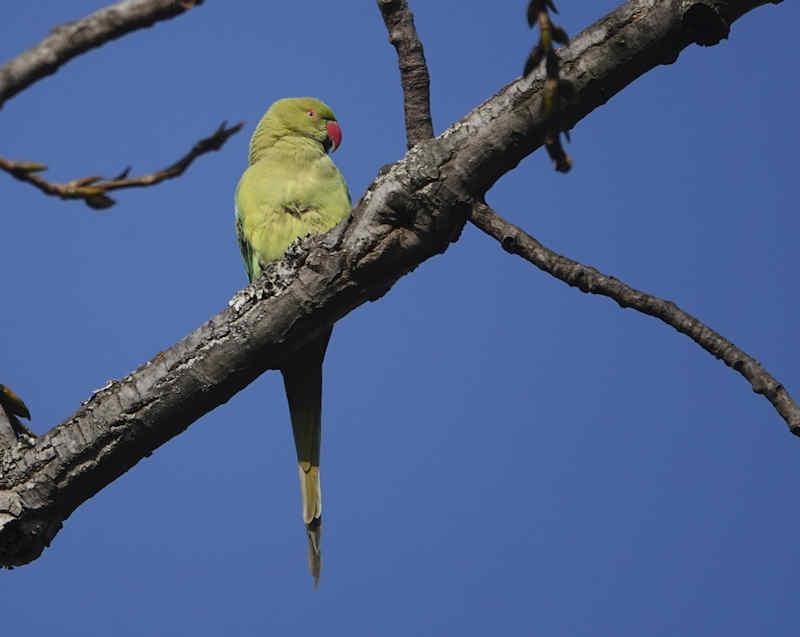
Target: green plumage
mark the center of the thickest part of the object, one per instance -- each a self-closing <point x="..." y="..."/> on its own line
<point x="290" y="189"/>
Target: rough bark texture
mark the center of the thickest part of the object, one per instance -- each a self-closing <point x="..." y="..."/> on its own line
<point x="414" y="75"/>
<point x="588" y="279"/>
<point x="411" y="212"/>
<point x="70" y="40"/>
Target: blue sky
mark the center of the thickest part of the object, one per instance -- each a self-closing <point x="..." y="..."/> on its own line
<point x="501" y="452"/>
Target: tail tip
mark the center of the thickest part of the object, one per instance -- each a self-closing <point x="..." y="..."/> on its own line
<point x="314" y="533"/>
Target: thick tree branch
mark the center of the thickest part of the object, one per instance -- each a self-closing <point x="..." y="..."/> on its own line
<point x="74" y="38"/>
<point x="412" y="211"/>
<point x="413" y="69"/>
<point x="94" y="190"/>
<point x="588" y="279"/>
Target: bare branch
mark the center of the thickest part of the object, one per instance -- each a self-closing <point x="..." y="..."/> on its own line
<point x="412" y="211"/>
<point x="74" y="38"/>
<point x="414" y="74"/>
<point x="94" y="190"/>
<point x="588" y="279"/>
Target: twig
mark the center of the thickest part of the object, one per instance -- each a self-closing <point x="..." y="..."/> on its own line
<point x="73" y="38"/>
<point x="93" y="190"/>
<point x="414" y="75"/>
<point x="588" y="279"/>
<point x="554" y="86"/>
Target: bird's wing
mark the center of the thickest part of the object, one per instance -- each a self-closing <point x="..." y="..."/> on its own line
<point x="245" y="247"/>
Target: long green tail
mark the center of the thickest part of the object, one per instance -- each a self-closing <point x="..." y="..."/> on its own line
<point x="302" y="378"/>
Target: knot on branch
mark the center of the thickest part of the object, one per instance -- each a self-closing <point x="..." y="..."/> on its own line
<point x="509" y="243"/>
<point x="704" y="25"/>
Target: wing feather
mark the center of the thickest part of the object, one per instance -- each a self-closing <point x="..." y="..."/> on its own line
<point x="245" y="247"/>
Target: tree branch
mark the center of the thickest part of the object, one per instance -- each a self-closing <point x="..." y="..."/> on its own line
<point x="414" y="75"/>
<point x="74" y="38"/>
<point x="94" y="190"/>
<point x="411" y="211"/>
<point x="703" y="24"/>
<point x="588" y="279"/>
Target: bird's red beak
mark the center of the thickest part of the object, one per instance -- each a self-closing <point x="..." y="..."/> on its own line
<point x="334" y="135"/>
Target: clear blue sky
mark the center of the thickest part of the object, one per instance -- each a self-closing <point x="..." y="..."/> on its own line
<point x="502" y="454"/>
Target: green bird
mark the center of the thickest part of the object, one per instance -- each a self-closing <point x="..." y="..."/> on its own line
<point x="292" y="188"/>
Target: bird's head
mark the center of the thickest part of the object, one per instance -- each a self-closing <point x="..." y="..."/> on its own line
<point x="300" y="117"/>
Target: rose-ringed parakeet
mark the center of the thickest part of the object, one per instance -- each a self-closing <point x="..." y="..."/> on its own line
<point x="292" y="188"/>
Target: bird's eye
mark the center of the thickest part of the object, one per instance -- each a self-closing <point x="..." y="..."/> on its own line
<point x="311" y="114"/>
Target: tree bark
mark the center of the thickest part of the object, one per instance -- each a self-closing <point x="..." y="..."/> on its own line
<point x="412" y="211"/>
<point x="414" y="75"/>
